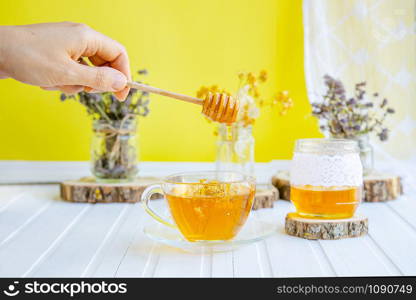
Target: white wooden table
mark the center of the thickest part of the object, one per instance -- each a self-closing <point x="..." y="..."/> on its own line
<point x="42" y="236"/>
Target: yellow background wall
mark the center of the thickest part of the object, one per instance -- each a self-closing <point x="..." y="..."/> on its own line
<point x="184" y="44"/>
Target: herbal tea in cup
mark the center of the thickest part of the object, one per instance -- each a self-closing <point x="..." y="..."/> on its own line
<point x="205" y="206"/>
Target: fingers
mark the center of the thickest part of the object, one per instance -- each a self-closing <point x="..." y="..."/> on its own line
<point x="67" y="89"/>
<point x="104" y="51"/>
<point x="47" y="88"/>
<point x="121" y="95"/>
<point x="98" y="78"/>
<point x="71" y="89"/>
<point x="3" y="75"/>
<point x="92" y="91"/>
<point x="98" y="61"/>
<point x="121" y="63"/>
<point x="109" y="71"/>
<point x="108" y="50"/>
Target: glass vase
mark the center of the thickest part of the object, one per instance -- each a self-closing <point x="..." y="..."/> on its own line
<point x="366" y="153"/>
<point x="114" y="150"/>
<point x="235" y="149"/>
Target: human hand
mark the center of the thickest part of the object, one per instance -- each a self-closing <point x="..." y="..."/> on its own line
<point x="50" y="55"/>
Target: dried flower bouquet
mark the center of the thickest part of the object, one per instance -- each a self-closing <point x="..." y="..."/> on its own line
<point x="114" y="144"/>
<point x="350" y="117"/>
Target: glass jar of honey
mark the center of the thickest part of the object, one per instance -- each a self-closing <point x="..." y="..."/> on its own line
<point x="326" y="178"/>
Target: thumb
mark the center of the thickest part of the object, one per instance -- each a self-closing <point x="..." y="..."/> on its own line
<point x="99" y="78"/>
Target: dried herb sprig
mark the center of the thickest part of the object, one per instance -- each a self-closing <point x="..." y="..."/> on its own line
<point x="350" y="117"/>
<point x="105" y="107"/>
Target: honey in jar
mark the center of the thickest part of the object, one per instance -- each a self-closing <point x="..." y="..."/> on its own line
<point x="325" y="202"/>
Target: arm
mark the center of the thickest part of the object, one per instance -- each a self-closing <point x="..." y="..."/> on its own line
<point x="50" y="55"/>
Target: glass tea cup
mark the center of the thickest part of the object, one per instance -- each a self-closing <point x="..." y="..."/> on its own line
<point x="326" y="178"/>
<point x="205" y="206"/>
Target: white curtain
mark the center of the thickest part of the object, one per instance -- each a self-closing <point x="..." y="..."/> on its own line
<point x="372" y="41"/>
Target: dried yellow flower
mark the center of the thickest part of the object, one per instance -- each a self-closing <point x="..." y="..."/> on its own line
<point x="214" y="88"/>
<point x="249" y="86"/>
<point x="203" y="91"/>
<point x="251" y="79"/>
<point x="263" y="76"/>
<point x="284" y="101"/>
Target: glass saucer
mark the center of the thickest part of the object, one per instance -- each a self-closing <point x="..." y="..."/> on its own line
<point x="253" y="231"/>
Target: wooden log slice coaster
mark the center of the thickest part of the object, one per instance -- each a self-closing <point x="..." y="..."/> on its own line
<point x="87" y="190"/>
<point x="378" y="187"/>
<point x="317" y="229"/>
<point x="282" y="182"/>
<point x="265" y="196"/>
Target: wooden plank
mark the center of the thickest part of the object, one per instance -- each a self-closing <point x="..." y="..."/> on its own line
<point x="34" y="243"/>
<point x="23" y="194"/>
<point x="75" y="254"/>
<point x="222" y="264"/>
<point x="42" y="171"/>
<point x="161" y="169"/>
<point x="105" y="243"/>
<point x="45" y="171"/>
<point x="246" y="262"/>
<point x="405" y="207"/>
<point x="252" y="260"/>
<point x="141" y="257"/>
<point x="358" y="257"/>
<point x="393" y="235"/>
<point x="291" y="256"/>
<point x="206" y="265"/>
<point x="36" y="232"/>
<point x="174" y="262"/>
<point x="113" y="253"/>
<point x="8" y="195"/>
<point x="18" y="213"/>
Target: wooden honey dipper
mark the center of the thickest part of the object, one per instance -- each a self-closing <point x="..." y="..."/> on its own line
<point x="218" y="107"/>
